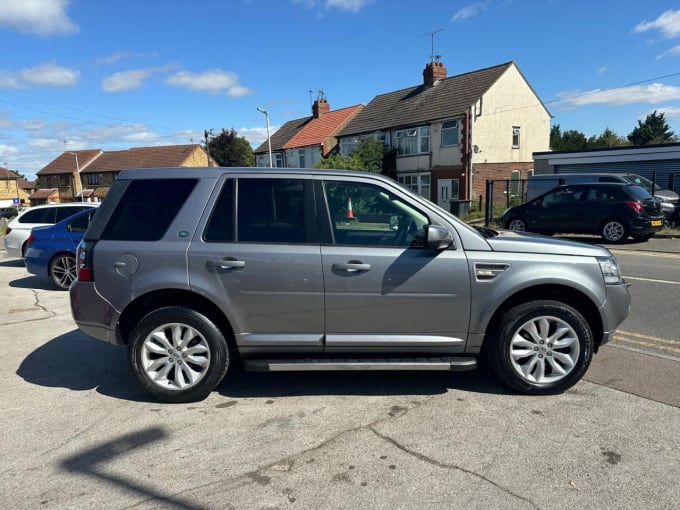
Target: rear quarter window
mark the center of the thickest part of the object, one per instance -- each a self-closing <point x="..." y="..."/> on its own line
<point x="45" y="215"/>
<point x="146" y="209"/>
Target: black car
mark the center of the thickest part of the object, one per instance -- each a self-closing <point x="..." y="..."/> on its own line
<point x="8" y="212"/>
<point x="612" y="210"/>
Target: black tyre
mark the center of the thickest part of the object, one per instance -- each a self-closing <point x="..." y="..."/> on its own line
<point x="642" y="237"/>
<point x="62" y="270"/>
<point x="541" y="347"/>
<point x="178" y="354"/>
<point x="614" y="230"/>
<point x="516" y="224"/>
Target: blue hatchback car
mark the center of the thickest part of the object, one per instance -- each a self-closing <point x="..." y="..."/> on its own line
<point x="51" y="250"/>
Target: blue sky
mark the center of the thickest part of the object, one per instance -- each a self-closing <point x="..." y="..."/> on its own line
<point x="113" y="74"/>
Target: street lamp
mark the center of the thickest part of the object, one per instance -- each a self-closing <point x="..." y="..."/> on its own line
<point x="269" y="140"/>
<point x="80" y="178"/>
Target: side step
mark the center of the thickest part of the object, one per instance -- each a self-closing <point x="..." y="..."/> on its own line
<point x="453" y="363"/>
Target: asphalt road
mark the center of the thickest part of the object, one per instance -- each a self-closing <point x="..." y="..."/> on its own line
<point x="78" y="432"/>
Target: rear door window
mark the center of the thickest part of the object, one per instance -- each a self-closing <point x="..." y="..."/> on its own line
<point x="274" y="211"/>
<point x="146" y="209"/>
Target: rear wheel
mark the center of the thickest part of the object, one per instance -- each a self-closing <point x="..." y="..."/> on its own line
<point x="63" y="270"/>
<point x="541" y="347"/>
<point x="614" y="231"/>
<point x="516" y="224"/>
<point x="178" y="354"/>
<point x="642" y="237"/>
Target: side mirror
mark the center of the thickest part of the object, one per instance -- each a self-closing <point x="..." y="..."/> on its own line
<point x="437" y="238"/>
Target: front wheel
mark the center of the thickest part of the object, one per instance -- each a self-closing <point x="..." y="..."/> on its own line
<point x="541" y="347"/>
<point x="178" y="354"/>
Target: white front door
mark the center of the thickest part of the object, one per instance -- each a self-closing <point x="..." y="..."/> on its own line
<point x="444" y="193"/>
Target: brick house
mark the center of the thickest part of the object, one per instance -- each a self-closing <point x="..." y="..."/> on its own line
<point x="13" y="186"/>
<point x="485" y="124"/>
<point x="90" y="173"/>
<point x="302" y="143"/>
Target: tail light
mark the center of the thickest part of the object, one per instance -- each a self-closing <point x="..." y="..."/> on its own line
<point x="635" y="206"/>
<point x="30" y="240"/>
<point x="7" y="230"/>
<point x="84" y="257"/>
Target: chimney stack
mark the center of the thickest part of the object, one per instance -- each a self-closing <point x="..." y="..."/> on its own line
<point x="433" y="72"/>
<point x="320" y="107"/>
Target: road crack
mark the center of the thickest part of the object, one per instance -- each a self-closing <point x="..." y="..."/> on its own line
<point x="444" y="465"/>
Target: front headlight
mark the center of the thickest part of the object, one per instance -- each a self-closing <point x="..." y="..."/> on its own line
<point x="610" y="270"/>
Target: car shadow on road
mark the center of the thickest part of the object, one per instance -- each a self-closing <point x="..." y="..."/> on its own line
<point x="241" y="384"/>
<point x="32" y="282"/>
<point x="79" y="363"/>
<point x="12" y="263"/>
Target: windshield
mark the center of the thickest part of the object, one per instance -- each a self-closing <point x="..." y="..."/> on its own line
<point x="641" y="181"/>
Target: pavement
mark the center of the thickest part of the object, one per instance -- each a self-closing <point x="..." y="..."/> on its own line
<point x="79" y="433"/>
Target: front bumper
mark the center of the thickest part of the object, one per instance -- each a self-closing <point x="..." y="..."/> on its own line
<point x="615" y="309"/>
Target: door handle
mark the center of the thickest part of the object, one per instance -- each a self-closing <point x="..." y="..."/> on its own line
<point x="352" y="266"/>
<point x="228" y="263"/>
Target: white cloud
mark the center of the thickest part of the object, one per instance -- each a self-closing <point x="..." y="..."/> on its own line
<point x="341" y="5"/>
<point x="347" y="5"/>
<point x="50" y="75"/>
<point x="673" y="52"/>
<point x="42" y="17"/>
<point x="7" y="152"/>
<point x="123" y="55"/>
<point x="602" y="70"/>
<point x="668" y="24"/>
<point x="214" y="81"/>
<point x="126" y="80"/>
<point x="652" y="93"/>
<point x="469" y="11"/>
<point x="34" y="124"/>
<point x="668" y="111"/>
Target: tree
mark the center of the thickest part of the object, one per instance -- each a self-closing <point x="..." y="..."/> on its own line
<point x="606" y="139"/>
<point x="571" y="140"/>
<point x="370" y="155"/>
<point x="229" y="149"/>
<point x="654" y="129"/>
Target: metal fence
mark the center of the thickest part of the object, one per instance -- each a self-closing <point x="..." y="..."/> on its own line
<point x="502" y="194"/>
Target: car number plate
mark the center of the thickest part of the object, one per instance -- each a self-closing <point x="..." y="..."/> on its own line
<point x="656" y="223"/>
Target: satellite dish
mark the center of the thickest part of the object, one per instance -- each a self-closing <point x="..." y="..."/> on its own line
<point x="475" y="148"/>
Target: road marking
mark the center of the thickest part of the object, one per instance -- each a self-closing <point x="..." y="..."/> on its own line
<point x="651" y="280"/>
<point x="647" y="337"/>
<point x="647" y="253"/>
<point x="646" y="344"/>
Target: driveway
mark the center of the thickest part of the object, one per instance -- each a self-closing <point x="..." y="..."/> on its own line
<point x="78" y="433"/>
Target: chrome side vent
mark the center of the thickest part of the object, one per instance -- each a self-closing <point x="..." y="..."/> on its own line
<point x="485" y="272"/>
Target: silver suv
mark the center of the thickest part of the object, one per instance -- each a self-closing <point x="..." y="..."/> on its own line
<point x="195" y="269"/>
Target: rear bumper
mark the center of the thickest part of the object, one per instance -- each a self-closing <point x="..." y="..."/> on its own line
<point x="93" y="314"/>
<point x="644" y="225"/>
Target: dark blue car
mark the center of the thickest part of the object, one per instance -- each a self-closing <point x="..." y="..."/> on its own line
<point x="51" y="250"/>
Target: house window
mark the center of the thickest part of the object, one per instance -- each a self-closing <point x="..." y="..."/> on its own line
<point x="515" y="137"/>
<point x="278" y="160"/>
<point x="301" y="157"/>
<point x="92" y="179"/>
<point x="412" y="141"/>
<point x="64" y="181"/>
<point x="514" y="183"/>
<point x="449" y="133"/>
<point x="419" y="183"/>
<point x="349" y="144"/>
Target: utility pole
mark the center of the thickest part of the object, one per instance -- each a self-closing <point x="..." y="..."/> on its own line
<point x="207" y="134"/>
<point x="269" y="139"/>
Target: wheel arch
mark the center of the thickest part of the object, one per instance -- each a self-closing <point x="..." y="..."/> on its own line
<point x="154" y="300"/>
<point x="568" y="295"/>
